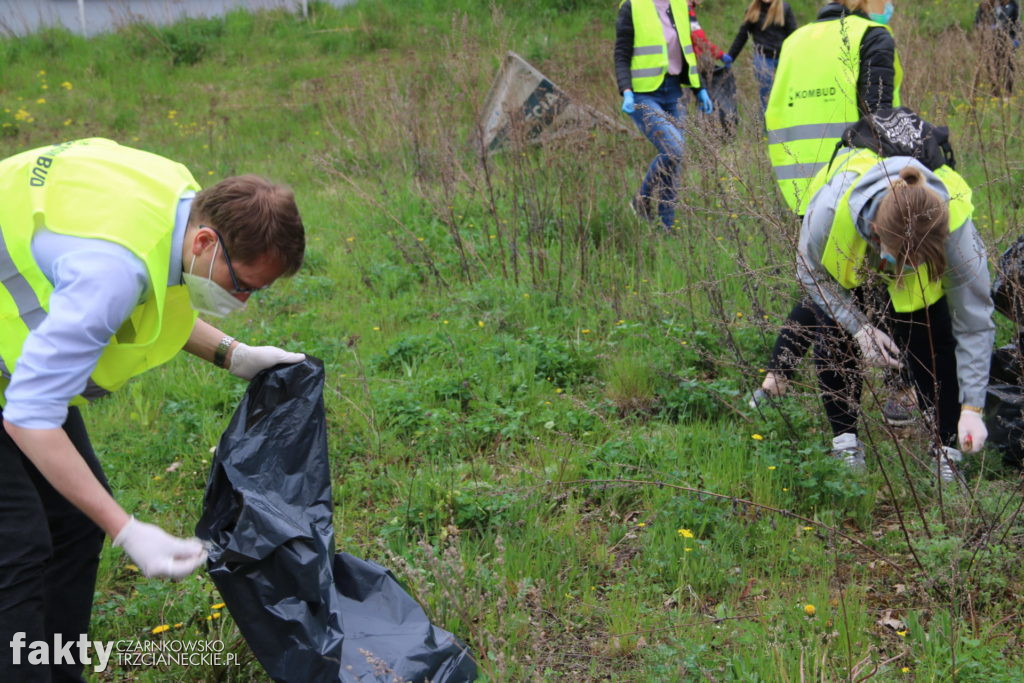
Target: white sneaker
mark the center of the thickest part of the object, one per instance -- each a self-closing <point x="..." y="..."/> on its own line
<point x="949" y="463"/>
<point x="850" y="450"/>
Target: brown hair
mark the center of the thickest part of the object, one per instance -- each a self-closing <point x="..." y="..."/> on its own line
<point x="776" y="13"/>
<point x="913" y="223"/>
<point x="255" y="217"/>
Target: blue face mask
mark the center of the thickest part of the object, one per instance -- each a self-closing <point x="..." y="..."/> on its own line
<point x="885" y="16"/>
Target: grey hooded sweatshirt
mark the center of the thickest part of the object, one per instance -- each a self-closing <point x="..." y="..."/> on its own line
<point x="965" y="282"/>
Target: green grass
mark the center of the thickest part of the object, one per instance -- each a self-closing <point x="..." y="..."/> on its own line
<point x="536" y="405"/>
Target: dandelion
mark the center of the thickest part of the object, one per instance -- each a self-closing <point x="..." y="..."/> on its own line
<point x="219" y="605"/>
<point x="172" y="113"/>
<point x="902" y="634"/>
<point x="376" y="328"/>
<point x="771" y="467"/>
<point x="739" y="314"/>
<point x="179" y="624"/>
<point x="444" y="322"/>
<point x="215" y="615"/>
<point x="641" y="524"/>
<point x="350" y="239"/>
<point x="905" y="670"/>
<point x="67" y="122"/>
<point x="526" y="295"/>
<point x="44" y="87"/>
<point x="808" y="528"/>
<point x="66" y="85"/>
<point x="209" y="173"/>
<point x="479" y="323"/>
<point x="685" y="533"/>
<point x="22" y="115"/>
<point x="131" y="568"/>
<point x="757" y="437"/>
<point x="585" y="331"/>
<point x="558" y="390"/>
<point x="42" y="72"/>
<point x="160" y="629"/>
<point x="809" y="610"/>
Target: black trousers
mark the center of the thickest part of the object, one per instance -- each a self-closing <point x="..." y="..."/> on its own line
<point x="49" y="554"/>
<point x="928" y="350"/>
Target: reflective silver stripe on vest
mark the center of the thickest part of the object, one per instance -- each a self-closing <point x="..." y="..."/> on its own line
<point x="29" y="309"/>
<point x="807" y="131"/>
<point x="798" y="171"/>
<point x="644" y="50"/>
<point x="644" y="73"/>
<point x="91" y="392"/>
<point x="687" y="49"/>
<point x="693" y="70"/>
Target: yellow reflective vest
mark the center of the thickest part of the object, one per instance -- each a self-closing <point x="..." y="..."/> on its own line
<point x="845" y="249"/>
<point x="93" y="188"/>
<point x="650" y="50"/>
<point x="813" y="100"/>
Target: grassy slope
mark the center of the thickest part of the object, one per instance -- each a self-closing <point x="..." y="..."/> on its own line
<point x="471" y="390"/>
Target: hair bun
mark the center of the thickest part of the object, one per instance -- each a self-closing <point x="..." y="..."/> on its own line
<point x="911" y="176"/>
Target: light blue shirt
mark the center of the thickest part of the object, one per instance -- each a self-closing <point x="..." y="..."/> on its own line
<point x="96" y="286"/>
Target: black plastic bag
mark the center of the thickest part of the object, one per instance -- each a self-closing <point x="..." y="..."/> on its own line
<point x="722" y="90"/>
<point x="1008" y="288"/>
<point x="1004" y="416"/>
<point x="308" y="615"/>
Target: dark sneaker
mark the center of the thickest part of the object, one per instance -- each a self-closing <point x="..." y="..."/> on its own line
<point x="641" y="207"/>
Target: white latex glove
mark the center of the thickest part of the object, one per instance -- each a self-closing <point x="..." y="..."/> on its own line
<point x="157" y="553"/>
<point x="877" y="348"/>
<point x="247" y="360"/>
<point x="971" y="431"/>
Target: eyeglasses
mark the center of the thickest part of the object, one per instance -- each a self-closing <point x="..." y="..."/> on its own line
<point x="908" y="268"/>
<point x="236" y="287"/>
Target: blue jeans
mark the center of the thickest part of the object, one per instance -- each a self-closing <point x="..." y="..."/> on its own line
<point x="764" y="72"/>
<point x="659" y="116"/>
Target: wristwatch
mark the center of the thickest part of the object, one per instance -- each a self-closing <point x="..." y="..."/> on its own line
<point x="220" y="354"/>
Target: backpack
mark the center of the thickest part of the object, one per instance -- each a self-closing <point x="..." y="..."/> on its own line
<point x="900" y="132"/>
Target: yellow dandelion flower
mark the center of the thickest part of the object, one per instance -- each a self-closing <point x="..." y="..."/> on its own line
<point x="179" y="624"/>
<point x="160" y="629"/>
<point x="585" y="331"/>
<point x="215" y="615"/>
<point x="808" y="528"/>
<point x="687" y="549"/>
<point x="757" y="437"/>
<point x="809" y="610"/>
<point x="42" y="72"/>
<point x="445" y="322"/>
<point x="44" y="87"/>
<point x="131" y="567"/>
<point x="350" y="239"/>
<point x="558" y="390"/>
<point x="219" y="605"/>
<point x="685" y="533"/>
<point x="771" y="467"/>
<point x="905" y="670"/>
<point x="902" y="634"/>
<point x="66" y="85"/>
<point x="479" y="323"/>
<point x="67" y="122"/>
<point x="376" y="328"/>
<point x="209" y="173"/>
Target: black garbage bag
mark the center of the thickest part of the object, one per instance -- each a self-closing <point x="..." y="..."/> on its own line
<point x="1008" y="288"/>
<point x="308" y="615"/>
<point x="1004" y="416"/>
<point x="722" y="90"/>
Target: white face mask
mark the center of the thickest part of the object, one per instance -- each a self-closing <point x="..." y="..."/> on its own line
<point x="206" y="296"/>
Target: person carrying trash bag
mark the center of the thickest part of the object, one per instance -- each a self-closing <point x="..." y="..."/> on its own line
<point x="654" y="60"/>
<point x="897" y="274"/>
<point x="107" y="254"/>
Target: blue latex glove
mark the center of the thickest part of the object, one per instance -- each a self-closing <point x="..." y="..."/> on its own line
<point x="727" y="60"/>
<point x="704" y="101"/>
<point x="628" y="107"/>
<point x="1016" y="43"/>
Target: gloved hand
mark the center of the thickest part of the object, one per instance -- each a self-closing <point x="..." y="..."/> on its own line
<point x="704" y="101"/>
<point x="727" y="60"/>
<point x="877" y="348"/>
<point x="628" y="106"/>
<point x="157" y="553"/>
<point x="247" y="360"/>
<point x="971" y="431"/>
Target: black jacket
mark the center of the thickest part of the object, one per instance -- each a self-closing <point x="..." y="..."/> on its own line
<point x="767" y="41"/>
<point x="624" y="47"/>
<point x="877" y="77"/>
<point x="999" y="17"/>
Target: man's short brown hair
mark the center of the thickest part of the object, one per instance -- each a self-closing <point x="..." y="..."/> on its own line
<point x="255" y="217"/>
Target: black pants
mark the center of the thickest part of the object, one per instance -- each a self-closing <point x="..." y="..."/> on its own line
<point x="927" y="349"/>
<point x="49" y="554"/>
